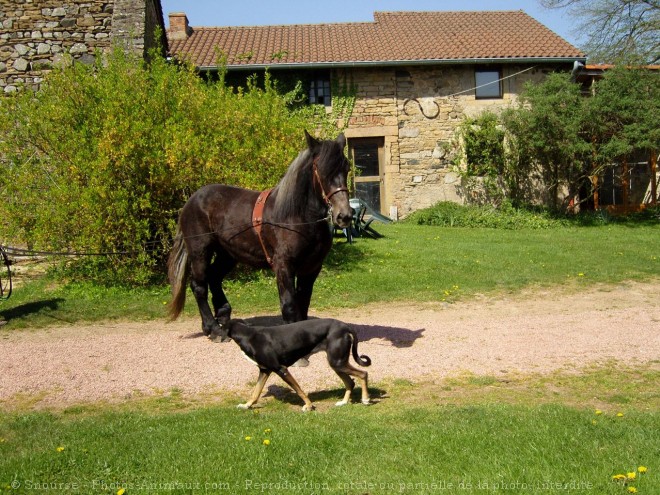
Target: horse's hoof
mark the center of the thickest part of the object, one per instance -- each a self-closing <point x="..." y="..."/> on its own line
<point x="366" y="402"/>
<point x="301" y="363"/>
<point x="243" y="406"/>
<point x="341" y="403"/>
<point x="307" y="408"/>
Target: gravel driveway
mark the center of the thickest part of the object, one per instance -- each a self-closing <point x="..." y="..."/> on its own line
<point x="538" y="331"/>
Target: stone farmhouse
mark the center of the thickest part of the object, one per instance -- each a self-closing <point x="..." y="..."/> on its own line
<point x="413" y="77"/>
<point x="36" y="34"/>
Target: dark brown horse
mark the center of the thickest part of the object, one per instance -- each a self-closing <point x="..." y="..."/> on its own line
<point x="217" y="229"/>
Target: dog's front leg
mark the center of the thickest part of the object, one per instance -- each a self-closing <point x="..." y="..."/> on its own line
<point x="286" y="376"/>
<point x="256" y="393"/>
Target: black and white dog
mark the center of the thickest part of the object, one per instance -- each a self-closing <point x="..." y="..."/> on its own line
<point x="274" y="349"/>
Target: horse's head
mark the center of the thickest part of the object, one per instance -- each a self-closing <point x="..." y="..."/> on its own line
<point x="330" y="169"/>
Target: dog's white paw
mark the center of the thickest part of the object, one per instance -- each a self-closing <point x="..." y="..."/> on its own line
<point x="307" y="408"/>
<point x="341" y="403"/>
<point x="301" y="363"/>
<point x="243" y="406"/>
<point x="366" y="402"/>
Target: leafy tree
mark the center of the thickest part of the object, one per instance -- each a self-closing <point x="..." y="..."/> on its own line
<point x="556" y="138"/>
<point x="616" y="29"/>
<point x="623" y="113"/>
<point x="102" y="158"/>
<point x="546" y="132"/>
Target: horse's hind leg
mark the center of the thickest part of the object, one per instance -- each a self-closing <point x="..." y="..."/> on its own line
<point x="219" y="268"/>
<point x="199" y="285"/>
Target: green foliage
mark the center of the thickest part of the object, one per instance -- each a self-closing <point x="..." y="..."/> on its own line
<point x="557" y="138"/>
<point x="103" y="157"/>
<point x="623" y="113"/>
<point x="546" y="131"/>
<point x="450" y="214"/>
<point x="484" y="145"/>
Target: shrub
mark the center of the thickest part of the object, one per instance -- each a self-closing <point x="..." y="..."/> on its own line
<point x="104" y="156"/>
<point x="448" y="214"/>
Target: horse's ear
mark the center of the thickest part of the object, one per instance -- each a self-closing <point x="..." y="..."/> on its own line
<point x="341" y="139"/>
<point x="311" y="142"/>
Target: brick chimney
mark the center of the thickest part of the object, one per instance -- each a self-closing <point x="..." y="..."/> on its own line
<point x="179" y="27"/>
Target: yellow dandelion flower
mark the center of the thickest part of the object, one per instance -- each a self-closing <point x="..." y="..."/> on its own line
<point x="121" y="491"/>
<point x="266" y="442"/>
<point x="598" y="412"/>
<point x="267" y="430"/>
<point x="632" y="489"/>
<point x="632" y="475"/>
<point x="618" y="477"/>
<point x="580" y="274"/>
<point x="60" y="449"/>
<point x="248" y="438"/>
<point x="642" y="469"/>
<point x="619" y="415"/>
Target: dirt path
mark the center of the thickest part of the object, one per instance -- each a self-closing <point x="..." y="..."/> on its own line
<point x="541" y="331"/>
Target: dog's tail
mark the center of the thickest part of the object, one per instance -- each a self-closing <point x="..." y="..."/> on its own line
<point x="178" y="270"/>
<point x="362" y="360"/>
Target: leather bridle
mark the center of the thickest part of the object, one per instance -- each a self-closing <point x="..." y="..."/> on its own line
<point x="317" y="177"/>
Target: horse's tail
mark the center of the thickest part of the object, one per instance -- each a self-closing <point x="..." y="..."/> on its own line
<point x="178" y="270"/>
<point x="362" y="360"/>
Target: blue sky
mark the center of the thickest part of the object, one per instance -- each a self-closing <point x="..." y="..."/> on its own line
<point x="262" y="12"/>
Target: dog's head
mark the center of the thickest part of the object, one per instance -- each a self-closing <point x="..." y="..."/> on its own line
<point x="232" y="325"/>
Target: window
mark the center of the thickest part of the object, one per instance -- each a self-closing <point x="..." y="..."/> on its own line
<point x="319" y="90"/>
<point x="487" y="83"/>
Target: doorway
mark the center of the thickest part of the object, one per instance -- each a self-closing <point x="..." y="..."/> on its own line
<point x="367" y="155"/>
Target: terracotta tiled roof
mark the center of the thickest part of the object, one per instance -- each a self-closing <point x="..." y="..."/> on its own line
<point x="393" y="37"/>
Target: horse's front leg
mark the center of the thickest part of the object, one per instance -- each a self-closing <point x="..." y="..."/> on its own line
<point x="286" y="287"/>
<point x="304" y="288"/>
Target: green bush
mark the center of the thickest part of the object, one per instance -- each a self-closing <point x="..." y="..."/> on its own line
<point x="103" y="157"/>
<point x="448" y="214"/>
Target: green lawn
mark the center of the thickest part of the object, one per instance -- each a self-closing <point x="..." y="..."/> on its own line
<point x="466" y="435"/>
<point x="411" y="262"/>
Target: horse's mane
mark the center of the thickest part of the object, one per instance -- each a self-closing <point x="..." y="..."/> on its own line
<point x="292" y="195"/>
<point x="295" y="189"/>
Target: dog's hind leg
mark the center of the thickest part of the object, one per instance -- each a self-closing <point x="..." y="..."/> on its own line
<point x="350" y="385"/>
<point x="291" y="381"/>
<point x="361" y="375"/>
<point x="256" y="393"/>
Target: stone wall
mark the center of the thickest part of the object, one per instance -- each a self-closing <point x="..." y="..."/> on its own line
<point x="35" y="34"/>
<point x="417" y="111"/>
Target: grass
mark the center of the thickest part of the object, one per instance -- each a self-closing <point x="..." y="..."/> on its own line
<point x="569" y="431"/>
<point x="412" y="262"/>
<point x="468" y="434"/>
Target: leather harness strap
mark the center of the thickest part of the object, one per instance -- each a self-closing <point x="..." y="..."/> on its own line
<point x="258" y="218"/>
